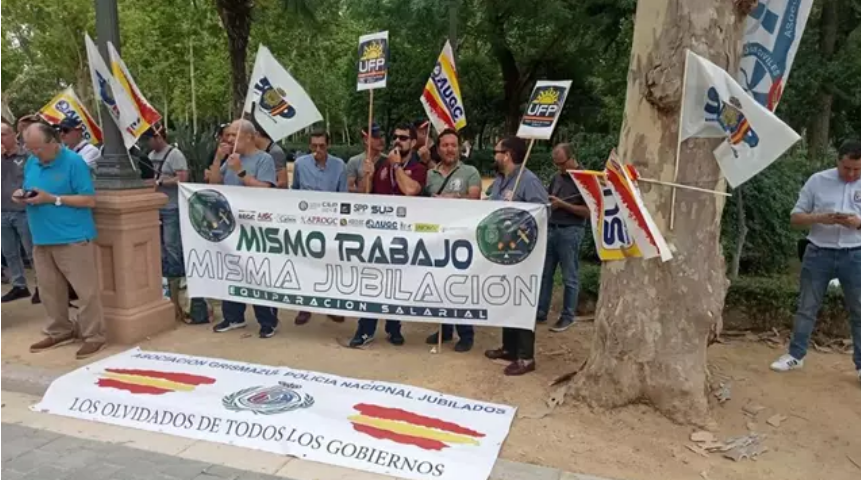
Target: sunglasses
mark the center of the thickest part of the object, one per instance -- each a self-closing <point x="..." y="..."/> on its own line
<point x="403" y="138"/>
<point x="66" y="130"/>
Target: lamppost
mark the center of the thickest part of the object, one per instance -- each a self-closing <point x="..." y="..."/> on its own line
<point x="115" y="170"/>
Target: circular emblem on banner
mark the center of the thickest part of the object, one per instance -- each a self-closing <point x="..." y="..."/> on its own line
<point x="272" y="400"/>
<point x="210" y="214"/>
<point x="507" y="236"/>
<point x="303" y="205"/>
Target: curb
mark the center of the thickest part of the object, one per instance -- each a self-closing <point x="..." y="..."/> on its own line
<point x="35" y="381"/>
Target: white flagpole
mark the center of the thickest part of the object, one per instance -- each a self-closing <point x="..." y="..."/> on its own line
<point x="679" y="144"/>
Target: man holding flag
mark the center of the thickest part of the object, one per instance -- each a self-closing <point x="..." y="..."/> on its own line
<point x="375" y="143"/>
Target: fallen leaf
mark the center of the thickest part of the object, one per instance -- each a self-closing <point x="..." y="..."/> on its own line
<point x="776" y="419"/>
<point x="697" y="450"/>
<point x="751" y="426"/>
<point x="752" y="409"/>
<point x="703" y="436"/>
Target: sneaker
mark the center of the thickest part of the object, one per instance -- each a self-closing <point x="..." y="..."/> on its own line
<point x="360" y="341"/>
<point x="396" y="339"/>
<point x="500" y="354"/>
<point x="49" y="343"/>
<point x="302" y="318"/>
<point x="268" y="332"/>
<point x="562" y="325"/>
<point x="787" y="363"/>
<point x="36" y="299"/>
<point x="16" y="293"/>
<point x="540" y="320"/>
<point x="226" y="326"/>
<point x="463" y="346"/>
<point x="434" y="339"/>
<point x="520" y="367"/>
<point x="89" y="349"/>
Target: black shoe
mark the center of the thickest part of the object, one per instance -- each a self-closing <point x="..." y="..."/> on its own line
<point x="463" y="346"/>
<point x="16" y="293"/>
<point x="226" y="326"/>
<point x="562" y="325"/>
<point x="541" y="321"/>
<point x="268" y="332"/>
<point x="36" y="300"/>
<point x="361" y="340"/>
<point x="434" y="339"/>
<point x="396" y="339"/>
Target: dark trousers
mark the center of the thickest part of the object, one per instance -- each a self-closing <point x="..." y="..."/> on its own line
<point x="519" y="342"/>
<point x="235" y="313"/>
<point x="368" y="326"/>
<point x="465" y="332"/>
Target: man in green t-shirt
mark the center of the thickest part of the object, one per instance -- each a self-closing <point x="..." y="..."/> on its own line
<point x="453" y="179"/>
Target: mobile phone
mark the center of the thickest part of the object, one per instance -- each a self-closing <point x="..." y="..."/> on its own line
<point x="27" y="194"/>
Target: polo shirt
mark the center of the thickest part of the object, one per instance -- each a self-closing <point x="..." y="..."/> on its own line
<point x="826" y="192"/>
<point x="67" y="175"/>
<point x="309" y="175"/>
<point x="385" y="183"/>
<point x="529" y="190"/>
<point x="258" y="164"/>
<point x="460" y="180"/>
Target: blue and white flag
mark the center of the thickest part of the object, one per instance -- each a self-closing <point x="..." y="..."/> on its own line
<point x="772" y="34"/>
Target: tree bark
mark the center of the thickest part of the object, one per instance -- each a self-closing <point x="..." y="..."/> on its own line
<point x="236" y="18"/>
<point x="741" y="238"/>
<point x="820" y="124"/>
<point x="654" y="320"/>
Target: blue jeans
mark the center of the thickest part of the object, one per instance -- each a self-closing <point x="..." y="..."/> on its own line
<point x="234" y="312"/>
<point x="16" y="233"/>
<point x="171" y="244"/>
<point x="820" y="266"/>
<point x="465" y="332"/>
<point x="368" y="326"/>
<point x="563" y="249"/>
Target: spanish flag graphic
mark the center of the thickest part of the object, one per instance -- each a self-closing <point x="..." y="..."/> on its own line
<point x="408" y="428"/>
<point x="151" y="382"/>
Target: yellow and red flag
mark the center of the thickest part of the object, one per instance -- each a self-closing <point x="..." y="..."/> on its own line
<point x="151" y="382"/>
<point x="408" y="428"/>
<point x="147" y="113"/>
<point x="441" y="97"/>
<point x="67" y="104"/>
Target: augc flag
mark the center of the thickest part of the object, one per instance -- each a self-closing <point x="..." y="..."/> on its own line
<point x="148" y="114"/>
<point x="612" y="239"/>
<point x="442" y="98"/>
<point x="67" y="104"/>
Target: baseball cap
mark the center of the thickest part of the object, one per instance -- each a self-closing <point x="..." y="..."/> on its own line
<point x="376" y="131"/>
<point x="154" y="130"/>
<point x="70" y="123"/>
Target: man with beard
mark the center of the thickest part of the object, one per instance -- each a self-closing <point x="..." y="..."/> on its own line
<point x="402" y="173"/>
<point x="518" y="345"/>
<point x="453" y="179"/>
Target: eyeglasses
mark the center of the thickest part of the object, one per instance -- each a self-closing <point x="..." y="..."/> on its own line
<point x="65" y="130"/>
<point x="403" y="138"/>
<point x="500" y="152"/>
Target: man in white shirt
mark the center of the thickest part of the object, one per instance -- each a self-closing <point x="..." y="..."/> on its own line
<point x="72" y="135"/>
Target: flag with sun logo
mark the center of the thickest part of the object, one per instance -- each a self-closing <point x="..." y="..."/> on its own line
<point x="275" y="99"/>
<point x="373" y="61"/>
<point x="542" y="111"/>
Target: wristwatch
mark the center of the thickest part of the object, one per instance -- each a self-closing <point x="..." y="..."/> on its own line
<point x="58" y="201"/>
<point x="242" y="174"/>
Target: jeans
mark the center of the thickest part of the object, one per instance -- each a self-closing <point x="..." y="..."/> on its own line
<point x="563" y="248"/>
<point x="171" y="244"/>
<point x="16" y="232"/>
<point x="368" y="326"/>
<point x="820" y="266"/>
<point x="465" y="332"/>
<point x="234" y="312"/>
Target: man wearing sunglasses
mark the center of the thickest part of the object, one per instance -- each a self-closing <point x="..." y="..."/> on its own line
<point x="72" y="136"/>
<point x="402" y="173"/>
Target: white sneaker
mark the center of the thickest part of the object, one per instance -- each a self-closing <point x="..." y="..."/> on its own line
<point x="787" y="363"/>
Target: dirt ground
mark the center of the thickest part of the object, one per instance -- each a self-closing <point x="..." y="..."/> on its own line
<point x="822" y="402"/>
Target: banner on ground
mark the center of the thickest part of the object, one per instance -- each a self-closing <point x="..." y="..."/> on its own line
<point x="276" y="100"/>
<point x="67" y="104"/>
<point x="441" y="98"/>
<point x="378" y="427"/>
<point x="396" y="258"/>
<point x="543" y="109"/>
<point x="373" y="61"/>
<point x="716" y="106"/>
<point x="148" y="115"/>
<point x="772" y="35"/>
<point x="612" y="240"/>
<point x="109" y="92"/>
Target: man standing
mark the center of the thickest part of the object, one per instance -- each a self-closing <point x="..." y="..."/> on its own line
<point x="453" y="179"/>
<point x="60" y="213"/>
<point x="16" y="232"/>
<point x="354" y="166"/>
<point x="319" y="172"/>
<point x="72" y="135"/>
<point x="404" y="174"/>
<point x="264" y="142"/>
<point x="565" y="233"/>
<point x="518" y="345"/>
<point x="830" y="205"/>
<point x="240" y="163"/>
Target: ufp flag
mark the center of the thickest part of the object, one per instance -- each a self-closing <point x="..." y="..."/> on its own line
<point x="147" y="113"/>
<point x="441" y="98"/>
<point x="373" y="61"/>
<point x="276" y="101"/>
<point x="608" y="226"/>
<point x="639" y="221"/>
<point x="109" y="91"/>
<point x="772" y="34"/>
<point x="542" y="112"/>
<point x="66" y="104"/>
<point x="716" y="106"/>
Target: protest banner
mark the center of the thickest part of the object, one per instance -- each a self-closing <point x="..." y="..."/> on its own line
<point x="378" y="427"/>
<point x="373" y="65"/>
<point x="67" y="104"/>
<point x="441" y="98"/>
<point x="542" y="111"/>
<point x="388" y="257"/>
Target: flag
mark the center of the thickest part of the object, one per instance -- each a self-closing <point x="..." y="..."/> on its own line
<point x="67" y="104"/>
<point x="146" y="112"/>
<point x="543" y="109"/>
<point x="772" y="34"/>
<point x="276" y="101"/>
<point x="109" y="92"/>
<point x="716" y="106"/>
<point x="442" y="98"/>
<point x="373" y="61"/>
<point x="608" y="226"/>
<point x="639" y="221"/>
<point x="7" y="112"/>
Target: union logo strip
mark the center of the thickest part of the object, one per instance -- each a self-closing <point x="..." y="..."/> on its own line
<point x="609" y="232"/>
<point x="407" y="428"/>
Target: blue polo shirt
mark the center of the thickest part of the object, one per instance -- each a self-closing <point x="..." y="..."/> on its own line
<point x="67" y="175"/>
<point x="308" y="175"/>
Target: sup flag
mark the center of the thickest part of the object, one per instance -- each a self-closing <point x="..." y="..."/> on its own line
<point x="612" y="239"/>
<point x="110" y="93"/>
<point x="148" y="115"/>
<point x="772" y="34"/>
<point x="442" y="98"/>
<point x="542" y="111"/>
<point x="715" y="106"/>
<point x="67" y="104"/>
<point x="407" y="428"/>
<point x="275" y="99"/>
<point x="373" y="61"/>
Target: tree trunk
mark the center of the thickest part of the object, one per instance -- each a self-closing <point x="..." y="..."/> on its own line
<point x="741" y="238"/>
<point x="236" y="19"/>
<point x="820" y="123"/>
<point x="654" y="320"/>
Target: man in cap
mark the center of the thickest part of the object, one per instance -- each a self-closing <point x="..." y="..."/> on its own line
<point x="354" y="165"/>
<point x="72" y="136"/>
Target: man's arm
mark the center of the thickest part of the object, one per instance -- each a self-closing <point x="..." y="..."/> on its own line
<point x="342" y="181"/>
<point x="410" y="187"/>
<point x="266" y="176"/>
<point x="82" y="185"/>
<point x="474" y="185"/>
<point x="215" y="175"/>
<point x="803" y="215"/>
<point x="179" y="165"/>
<point x="297" y="184"/>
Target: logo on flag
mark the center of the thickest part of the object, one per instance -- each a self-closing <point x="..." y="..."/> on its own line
<point x="106" y="95"/>
<point x="542" y="111"/>
<point x="111" y="93"/>
<point x="609" y="231"/>
<point x="407" y="428"/>
<point x="730" y="118"/>
<point x="373" y="60"/>
<point x="151" y="382"/>
<point x="272" y="100"/>
<point x="441" y="98"/>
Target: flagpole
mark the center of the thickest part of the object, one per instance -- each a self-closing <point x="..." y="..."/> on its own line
<point x="522" y="167"/>
<point x="193" y="93"/>
<point x="679" y="144"/>
<point x="666" y="184"/>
